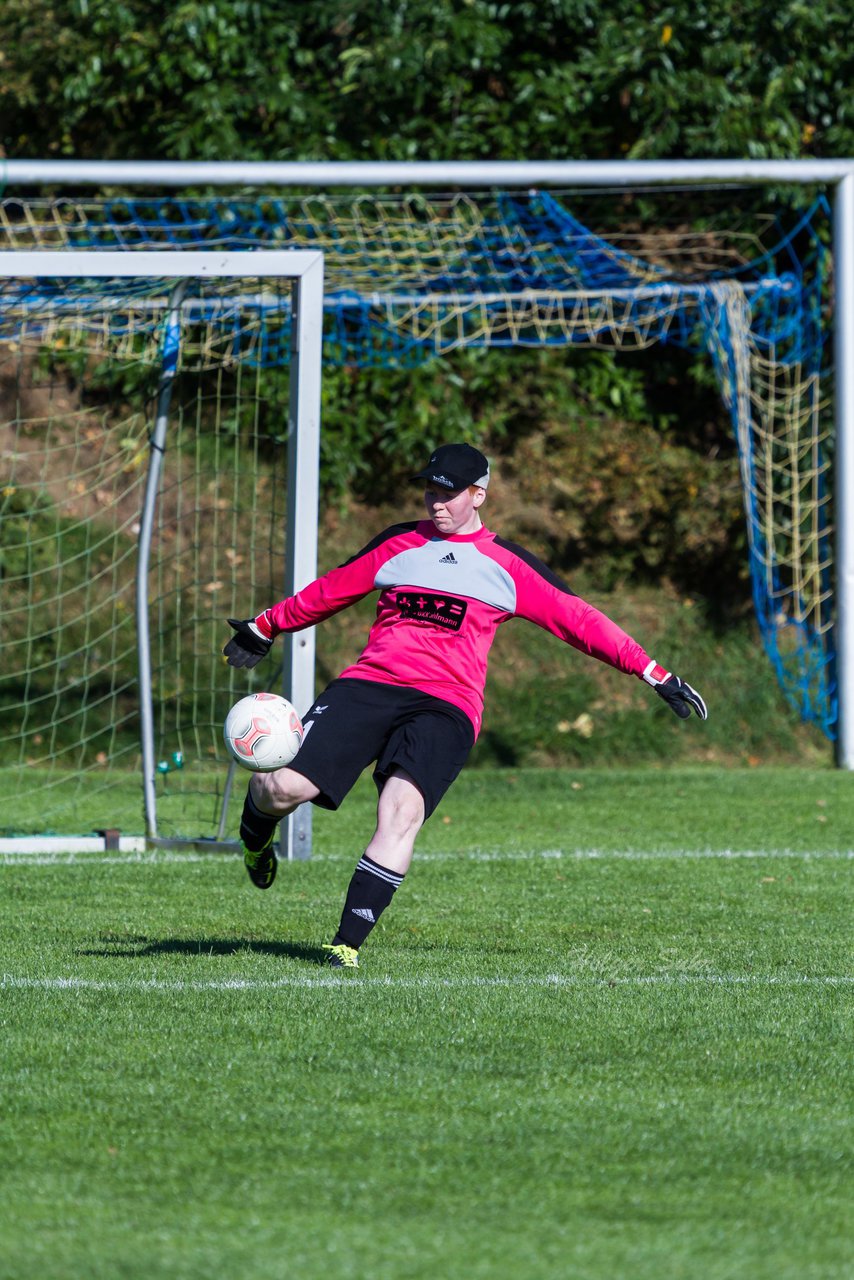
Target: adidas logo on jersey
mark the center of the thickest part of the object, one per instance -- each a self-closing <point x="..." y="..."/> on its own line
<point x="450" y="558"/>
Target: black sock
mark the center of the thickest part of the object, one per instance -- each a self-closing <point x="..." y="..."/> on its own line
<point x="371" y="890"/>
<point x="255" y="827"/>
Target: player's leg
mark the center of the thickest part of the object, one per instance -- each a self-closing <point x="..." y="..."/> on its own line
<point x="380" y="871"/>
<point x="277" y="794"/>
<point x="422" y="757"/>
<point x="324" y="769"/>
<point x="269" y="798"/>
<point x="400" y="816"/>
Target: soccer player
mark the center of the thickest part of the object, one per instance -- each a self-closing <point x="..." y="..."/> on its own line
<point x="411" y="703"/>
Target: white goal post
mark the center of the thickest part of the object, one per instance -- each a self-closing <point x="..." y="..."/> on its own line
<point x="304" y="271"/>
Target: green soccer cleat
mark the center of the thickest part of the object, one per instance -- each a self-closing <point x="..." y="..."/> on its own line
<point x="341" y="956"/>
<point x="261" y="865"/>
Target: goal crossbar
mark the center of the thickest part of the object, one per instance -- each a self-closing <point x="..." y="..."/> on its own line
<point x="406" y="173"/>
<point x="154" y="264"/>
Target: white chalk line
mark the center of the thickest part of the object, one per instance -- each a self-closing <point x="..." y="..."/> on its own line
<point x="10" y="981"/>
<point x="161" y="857"/>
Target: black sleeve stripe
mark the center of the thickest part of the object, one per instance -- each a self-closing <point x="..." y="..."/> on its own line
<point x="391" y="532"/>
<point x="533" y="562"/>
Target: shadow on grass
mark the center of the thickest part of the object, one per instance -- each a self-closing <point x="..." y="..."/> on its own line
<point x="140" y="946"/>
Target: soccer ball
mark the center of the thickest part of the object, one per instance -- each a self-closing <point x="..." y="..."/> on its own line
<point x="263" y="732"/>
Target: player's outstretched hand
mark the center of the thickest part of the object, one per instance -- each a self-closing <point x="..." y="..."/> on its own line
<point x="682" y="698"/>
<point x="678" y="694"/>
<point x="247" y="646"/>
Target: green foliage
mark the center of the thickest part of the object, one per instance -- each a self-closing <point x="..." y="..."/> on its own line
<point x="630" y="503"/>
<point x="28" y="542"/>
<point x="407" y="79"/>
<point x="378" y="423"/>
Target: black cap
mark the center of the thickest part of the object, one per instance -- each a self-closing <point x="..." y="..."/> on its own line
<point x="456" y="466"/>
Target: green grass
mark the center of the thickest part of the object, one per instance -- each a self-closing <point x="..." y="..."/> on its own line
<point x="602" y="1032"/>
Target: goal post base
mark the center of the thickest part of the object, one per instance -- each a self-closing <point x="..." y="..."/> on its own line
<point x="114" y="842"/>
<point x="95" y="843"/>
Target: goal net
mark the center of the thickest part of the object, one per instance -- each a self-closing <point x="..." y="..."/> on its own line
<point x="149" y="424"/>
<point x="409" y="278"/>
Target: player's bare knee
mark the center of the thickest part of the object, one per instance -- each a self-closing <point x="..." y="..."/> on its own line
<point x="401" y="812"/>
<point x="281" y="791"/>
<point x="411" y="814"/>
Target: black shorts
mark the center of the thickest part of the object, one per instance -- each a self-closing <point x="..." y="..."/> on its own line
<point x="356" y="722"/>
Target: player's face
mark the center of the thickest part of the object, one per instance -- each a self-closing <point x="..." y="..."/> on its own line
<point x="454" y="510"/>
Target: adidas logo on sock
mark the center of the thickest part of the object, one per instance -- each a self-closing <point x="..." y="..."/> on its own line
<point x="366" y="913"/>
<point x="450" y="558"/>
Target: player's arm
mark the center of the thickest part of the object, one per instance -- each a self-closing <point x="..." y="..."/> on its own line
<point x="599" y="635"/>
<point x="544" y="598"/>
<point x="253" y="637"/>
<point x="336" y="590"/>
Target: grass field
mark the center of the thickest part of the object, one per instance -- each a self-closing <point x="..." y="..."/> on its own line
<point x="602" y="1032"/>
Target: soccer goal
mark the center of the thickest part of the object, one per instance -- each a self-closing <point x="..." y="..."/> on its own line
<point x="121" y="389"/>
<point x="156" y="479"/>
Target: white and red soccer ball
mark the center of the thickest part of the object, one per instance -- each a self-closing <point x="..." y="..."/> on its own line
<point x="263" y="732"/>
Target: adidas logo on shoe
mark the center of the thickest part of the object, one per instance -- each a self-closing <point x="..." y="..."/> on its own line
<point x="450" y="558"/>
<point x="366" y="913"/>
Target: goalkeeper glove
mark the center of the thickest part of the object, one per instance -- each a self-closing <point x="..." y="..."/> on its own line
<point x="248" y="646"/>
<point x="678" y="694"/>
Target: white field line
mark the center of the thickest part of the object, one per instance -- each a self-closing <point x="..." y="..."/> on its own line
<point x="161" y="856"/>
<point x="10" y="981"/>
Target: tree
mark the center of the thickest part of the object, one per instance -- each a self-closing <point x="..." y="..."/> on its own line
<point x="403" y="79"/>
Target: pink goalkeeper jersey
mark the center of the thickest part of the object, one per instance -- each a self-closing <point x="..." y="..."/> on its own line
<point x="441" y="602"/>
